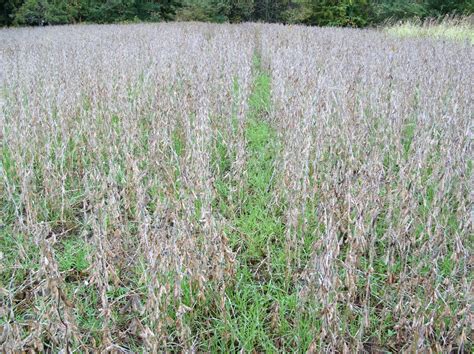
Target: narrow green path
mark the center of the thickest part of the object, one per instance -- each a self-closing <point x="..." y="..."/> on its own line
<point x="261" y="311"/>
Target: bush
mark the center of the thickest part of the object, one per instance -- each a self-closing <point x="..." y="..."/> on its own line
<point x="348" y="13"/>
<point x="353" y="13"/>
<point x="204" y="11"/>
<point x="41" y="12"/>
<point x="8" y="9"/>
<point x="31" y="13"/>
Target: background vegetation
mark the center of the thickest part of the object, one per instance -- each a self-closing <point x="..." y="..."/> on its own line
<point x="459" y="29"/>
<point x="312" y="12"/>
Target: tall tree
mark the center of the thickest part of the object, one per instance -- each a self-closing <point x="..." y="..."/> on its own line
<point x="442" y="7"/>
<point x="241" y="10"/>
<point x="204" y="10"/>
<point x="312" y="12"/>
<point x="8" y="9"/>
<point x="356" y="13"/>
<point x="270" y="10"/>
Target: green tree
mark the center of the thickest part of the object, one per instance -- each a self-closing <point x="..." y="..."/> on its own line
<point x="59" y="12"/>
<point x="404" y="9"/>
<point x="32" y="12"/>
<point x="8" y="9"/>
<point x="270" y="10"/>
<point x="204" y="10"/>
<point x="443" y="7"/>
<point x="110" y="11"/>
<point x="298" y="11"/>
<point x="47" y="12"/>
<point x="398" y="9"/>
<point x="356" y="13"/>
<point x="241" y="10"/>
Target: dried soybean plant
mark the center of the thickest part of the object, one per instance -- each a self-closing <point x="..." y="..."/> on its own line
<point x="116" y="139"/>
<point x="107" y="135"/>
<point x="386" y="165"/>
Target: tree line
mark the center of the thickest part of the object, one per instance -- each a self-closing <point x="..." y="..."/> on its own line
<point x="355" y="13"/>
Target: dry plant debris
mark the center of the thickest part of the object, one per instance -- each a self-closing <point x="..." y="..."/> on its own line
<point x="197" y="187"/>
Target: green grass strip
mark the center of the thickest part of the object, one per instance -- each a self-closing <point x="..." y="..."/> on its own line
<point x="262" y="311"/>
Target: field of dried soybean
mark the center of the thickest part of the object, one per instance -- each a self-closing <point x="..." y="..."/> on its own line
<point x="257" y="188"/>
